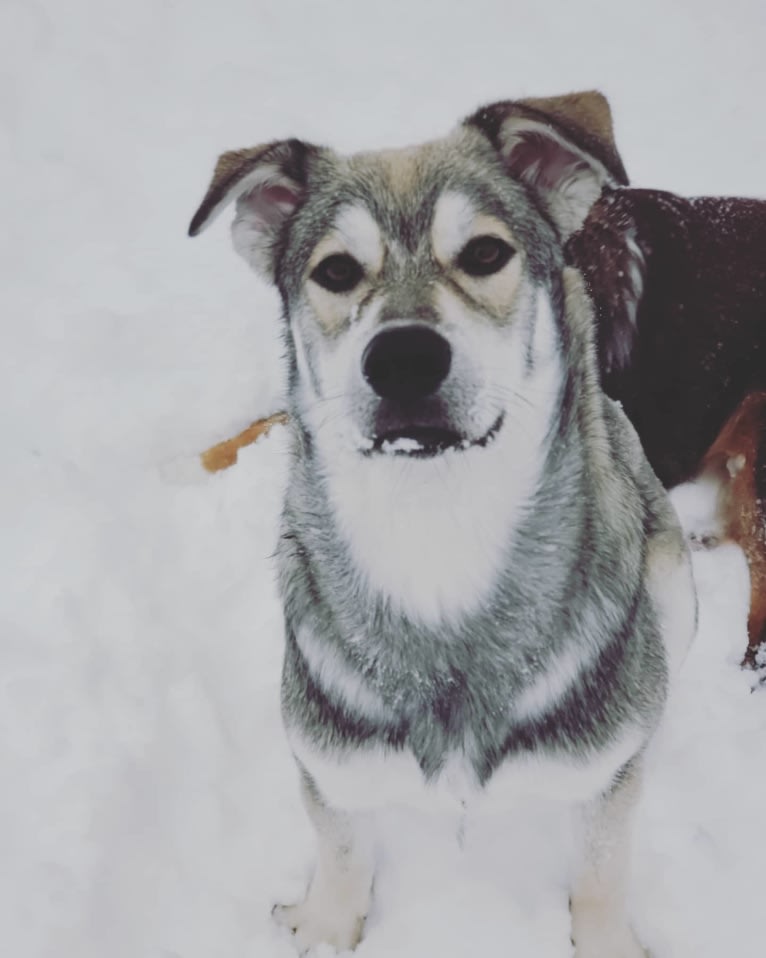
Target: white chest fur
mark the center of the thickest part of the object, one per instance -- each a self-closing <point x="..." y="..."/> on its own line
<point x="372" y="778"/>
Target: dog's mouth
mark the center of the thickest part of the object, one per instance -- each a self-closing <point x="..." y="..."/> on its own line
<point x="426" y="442"/>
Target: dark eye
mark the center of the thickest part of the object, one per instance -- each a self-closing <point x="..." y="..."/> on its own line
<point x="484" y="255"/>
<point x="338" y="273"/>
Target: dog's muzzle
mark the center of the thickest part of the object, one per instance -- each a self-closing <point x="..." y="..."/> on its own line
<point x="406" y="367"/>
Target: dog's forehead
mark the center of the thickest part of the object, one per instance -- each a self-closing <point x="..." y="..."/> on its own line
<point x="408" y="173"/>
<point x="403" y="190"/>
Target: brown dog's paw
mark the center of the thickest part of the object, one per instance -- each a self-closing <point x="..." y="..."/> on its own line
<point x="224" y="454"/>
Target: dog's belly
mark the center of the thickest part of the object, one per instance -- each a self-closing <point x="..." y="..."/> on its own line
<point x="375" y="777"/>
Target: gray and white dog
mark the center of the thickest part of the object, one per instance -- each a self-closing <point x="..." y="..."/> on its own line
<point x="485" y="588"/>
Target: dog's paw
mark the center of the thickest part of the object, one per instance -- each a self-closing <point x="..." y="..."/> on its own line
<point x="614" y="943"/>
<point x="313" y="925"/>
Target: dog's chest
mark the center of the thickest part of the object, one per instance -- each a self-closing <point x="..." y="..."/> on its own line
<point x="482" y="740"/>
<point x="374" y="777"/>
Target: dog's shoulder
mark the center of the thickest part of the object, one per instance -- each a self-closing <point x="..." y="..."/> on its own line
<point x="667" y="565"/>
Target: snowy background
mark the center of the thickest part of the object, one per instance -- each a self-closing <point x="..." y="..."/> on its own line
<point x="148" y="806"/>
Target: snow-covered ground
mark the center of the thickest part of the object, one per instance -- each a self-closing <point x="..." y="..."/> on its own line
<point x="148" y="806"/>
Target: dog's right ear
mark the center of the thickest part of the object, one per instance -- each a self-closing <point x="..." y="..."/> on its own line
<point x="562" y="147"/>
<point x="268" y="183"/>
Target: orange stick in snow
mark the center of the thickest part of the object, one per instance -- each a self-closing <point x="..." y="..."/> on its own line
<point x="224" y="454"/>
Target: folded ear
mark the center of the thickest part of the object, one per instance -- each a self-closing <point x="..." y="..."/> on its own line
<point x="562" y="147"/>
<point x="268" y="183"/>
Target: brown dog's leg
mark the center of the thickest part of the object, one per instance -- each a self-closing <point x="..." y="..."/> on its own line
<point x="756" y="557"/>
<point x="224" y="454"/>
<point x="756" y="623"/>
<point x="732" y="463"/>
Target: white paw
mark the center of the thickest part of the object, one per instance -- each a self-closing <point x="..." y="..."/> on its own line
<point x="608" y="943"/>
<point x="315" y="925"/>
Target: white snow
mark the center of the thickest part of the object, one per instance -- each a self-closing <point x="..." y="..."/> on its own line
<point x="404" y="444"/>
<point x="149" y="807"/>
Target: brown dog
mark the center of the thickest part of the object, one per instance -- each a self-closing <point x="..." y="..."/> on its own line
<point x="736" y="514"/>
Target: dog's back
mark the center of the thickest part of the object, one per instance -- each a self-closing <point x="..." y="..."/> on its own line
<point x="679" y="287"/>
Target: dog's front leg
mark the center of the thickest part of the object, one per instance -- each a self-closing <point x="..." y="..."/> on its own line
<point x="600" y="927"/>
<point x="338" y="898"/>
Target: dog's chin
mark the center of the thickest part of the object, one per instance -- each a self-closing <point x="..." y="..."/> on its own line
<point x="428" y="442"/>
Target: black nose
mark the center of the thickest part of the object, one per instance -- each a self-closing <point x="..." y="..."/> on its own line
<point x="408" y="362"/>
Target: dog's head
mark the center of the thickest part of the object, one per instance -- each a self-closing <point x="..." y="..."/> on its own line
<point x="413" y="280"/>
<point x="428" y="318"/>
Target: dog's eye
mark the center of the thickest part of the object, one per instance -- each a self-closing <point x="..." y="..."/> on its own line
<point x="338" y="273"/>
<point x="484" y="255"/>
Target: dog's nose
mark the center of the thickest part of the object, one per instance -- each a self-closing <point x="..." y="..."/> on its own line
<point x="408" y="362"/>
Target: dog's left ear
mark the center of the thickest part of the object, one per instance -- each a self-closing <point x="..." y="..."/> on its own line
<point x="563" y="147"/>
<point x="268" y="183"/>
